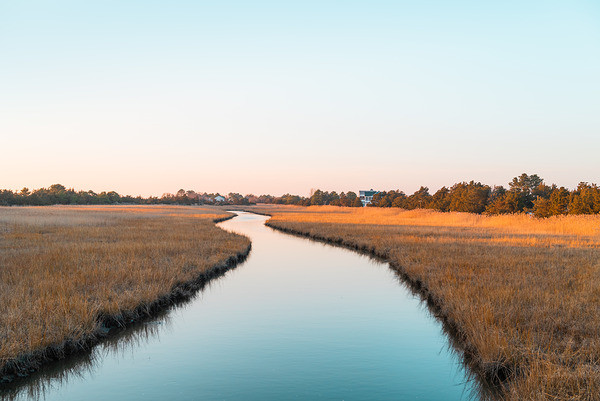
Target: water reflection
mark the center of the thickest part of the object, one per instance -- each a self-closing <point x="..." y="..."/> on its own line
<point x="82" y="364"/>
<point x="121" y="343"/>
<point x="476" y="386"/>
<point x="297" y="320"/>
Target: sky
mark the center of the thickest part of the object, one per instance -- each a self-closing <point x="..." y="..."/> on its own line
<point x="146" y="97"/>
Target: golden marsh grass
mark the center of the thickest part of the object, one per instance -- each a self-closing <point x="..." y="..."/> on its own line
<point x="522" y="294"/>
<point x="64" y="267"/>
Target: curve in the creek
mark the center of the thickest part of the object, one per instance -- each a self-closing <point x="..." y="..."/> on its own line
<point x="297" y="320"/>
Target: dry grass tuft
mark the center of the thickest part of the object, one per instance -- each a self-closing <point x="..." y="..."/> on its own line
<point x="63" y="268"/>
<point x="522" y="294"/>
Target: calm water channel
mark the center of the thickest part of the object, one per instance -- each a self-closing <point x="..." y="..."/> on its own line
<point x="299" y="320"/>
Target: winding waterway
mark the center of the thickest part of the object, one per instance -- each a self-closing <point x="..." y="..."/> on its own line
<point x="298" y="320"/>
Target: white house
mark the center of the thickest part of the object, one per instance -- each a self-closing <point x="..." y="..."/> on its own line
<point x="219" y="198"/>
<point x="366" y="196"/>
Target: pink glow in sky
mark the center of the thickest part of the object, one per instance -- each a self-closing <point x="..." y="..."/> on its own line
<point x="145" y="98"/>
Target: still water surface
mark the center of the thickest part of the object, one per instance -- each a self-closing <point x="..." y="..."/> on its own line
<point x="299" y="320"/>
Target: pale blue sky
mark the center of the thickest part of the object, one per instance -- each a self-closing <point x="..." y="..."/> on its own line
<point x="146" y="97"/>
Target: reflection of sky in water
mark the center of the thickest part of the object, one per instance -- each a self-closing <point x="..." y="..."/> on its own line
<point x="298" y="320"/>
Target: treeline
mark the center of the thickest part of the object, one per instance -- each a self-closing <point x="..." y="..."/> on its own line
<point x="318" y="197"/>
<point x="57" y="194"/>
<point x="526" y="193"/>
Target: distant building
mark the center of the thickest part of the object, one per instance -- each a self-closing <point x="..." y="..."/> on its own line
<point x="219" y="198"/>
<point x="366" y="196"/>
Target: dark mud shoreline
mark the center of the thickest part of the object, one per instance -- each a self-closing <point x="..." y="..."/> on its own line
<point x="493" y="379"/>
<point x="108" y="326"/>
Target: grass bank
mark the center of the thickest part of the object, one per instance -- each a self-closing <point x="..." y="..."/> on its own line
<point x="521" y="295"/>
<point x="69" y="274"/>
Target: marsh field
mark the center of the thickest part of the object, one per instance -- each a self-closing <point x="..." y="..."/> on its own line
<point x="521" y="295"/>
<point x="69" y="273"/>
